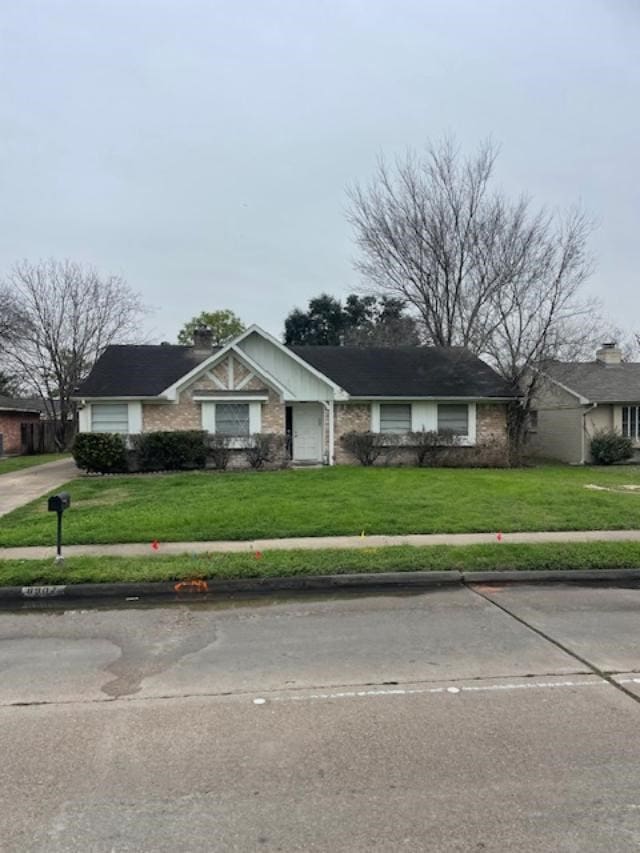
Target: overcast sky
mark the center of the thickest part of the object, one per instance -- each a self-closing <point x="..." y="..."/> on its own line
<point x="202" y="149"/>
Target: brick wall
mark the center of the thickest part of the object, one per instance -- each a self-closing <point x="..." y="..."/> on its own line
<point x="186" y="414"/>
<point x="273" y="414"/>
<point x="491" y="423"/>
<point x="10" y="429"/>
<point x="349" y="417"/>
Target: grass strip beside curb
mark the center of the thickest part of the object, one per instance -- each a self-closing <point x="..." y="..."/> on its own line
<point x="272" y="564"/>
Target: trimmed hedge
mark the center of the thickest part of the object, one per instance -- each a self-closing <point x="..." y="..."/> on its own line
<point x="100" y="452"/>
<point x="106" y="452"/>
<point x="171" y="451"/>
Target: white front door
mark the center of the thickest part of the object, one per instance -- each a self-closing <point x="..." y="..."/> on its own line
<point x="307" y="433"/>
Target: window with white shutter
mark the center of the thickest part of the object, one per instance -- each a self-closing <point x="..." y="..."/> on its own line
<point x="110" y="417"/>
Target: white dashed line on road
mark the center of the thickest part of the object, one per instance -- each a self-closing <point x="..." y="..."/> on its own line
<point x="412" y="691"/>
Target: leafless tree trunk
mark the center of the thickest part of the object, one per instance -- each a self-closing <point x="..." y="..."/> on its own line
<point x="480" y="270"/>
<point x="63" y="316"/>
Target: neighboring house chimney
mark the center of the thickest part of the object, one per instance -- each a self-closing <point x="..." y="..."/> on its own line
<point x="609" y="354"/>
<point x="202" y="338"/>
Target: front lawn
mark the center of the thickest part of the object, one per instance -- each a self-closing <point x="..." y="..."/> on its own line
<point x="331" y="501"/>
<point x="17" y="463"/>
<point x="598" y="555"/>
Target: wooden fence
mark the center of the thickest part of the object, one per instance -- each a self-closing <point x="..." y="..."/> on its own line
<point x="40" y="437"/>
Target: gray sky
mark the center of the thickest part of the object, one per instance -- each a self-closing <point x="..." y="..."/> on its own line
<point x="202" y="149"/>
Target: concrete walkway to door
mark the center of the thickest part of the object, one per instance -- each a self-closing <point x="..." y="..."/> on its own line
<point x="20" y="487"/>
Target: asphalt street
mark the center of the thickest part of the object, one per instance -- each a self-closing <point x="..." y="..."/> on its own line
<point x="453" y="720"/>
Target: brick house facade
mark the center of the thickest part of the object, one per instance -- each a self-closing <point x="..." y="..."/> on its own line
<point x="311" y="395"/>
<point x="11" y="419"/>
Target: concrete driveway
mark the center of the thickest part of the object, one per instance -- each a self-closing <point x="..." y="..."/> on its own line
<point x="454" y="720"/>
<point x="20" y="487"/>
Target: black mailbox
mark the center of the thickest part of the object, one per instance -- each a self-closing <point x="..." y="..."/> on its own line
<point x="58" y="503"/>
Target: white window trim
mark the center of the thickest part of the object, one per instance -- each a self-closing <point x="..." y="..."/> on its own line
<point x="134" y="416"/>
<point x="208" y="419"/>
<point x="236" y="398"/>
<point x="618" y="422"/>
<point x="424" y="416"/>
<point x="84" y="418"/>
<point x="468" y="440"/>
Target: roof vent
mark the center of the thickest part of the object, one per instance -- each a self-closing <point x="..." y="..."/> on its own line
<point x="609" y="353"/>
<point x="165" y="344"/>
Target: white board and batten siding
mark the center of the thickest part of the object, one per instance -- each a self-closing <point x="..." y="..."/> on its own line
<point x="297" y="379"/>
<point x="116" y="416"/>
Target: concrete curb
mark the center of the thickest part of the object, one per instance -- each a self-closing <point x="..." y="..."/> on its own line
<point x="193" y="590"/>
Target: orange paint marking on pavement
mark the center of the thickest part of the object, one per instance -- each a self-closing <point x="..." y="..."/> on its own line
<point x="193" y="585"/>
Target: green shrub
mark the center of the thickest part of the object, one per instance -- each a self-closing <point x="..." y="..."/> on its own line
<point x="608" y="446"/>
<point x="100" y="452"/>
<point x="171" y="451"/>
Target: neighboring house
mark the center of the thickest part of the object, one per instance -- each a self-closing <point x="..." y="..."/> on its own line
<point x="13" y="414"/>
<point x="310" y="394"/>
<point x="576" y="399"/>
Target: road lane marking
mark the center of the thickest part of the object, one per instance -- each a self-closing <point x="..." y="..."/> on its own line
<point x="412" y="691"/>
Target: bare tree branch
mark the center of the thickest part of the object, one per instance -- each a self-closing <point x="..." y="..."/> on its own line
<point x="480" y="270"/>
<point x="59" y="317"/>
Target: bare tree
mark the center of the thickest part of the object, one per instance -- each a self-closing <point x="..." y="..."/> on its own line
<point x="480" y="270"/>
<point x="64" y="315"/>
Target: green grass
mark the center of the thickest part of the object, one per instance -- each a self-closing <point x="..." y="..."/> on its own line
<point x="331" y="501"/>
<point x="17" y="463"/>
<point x="601" y="555"/>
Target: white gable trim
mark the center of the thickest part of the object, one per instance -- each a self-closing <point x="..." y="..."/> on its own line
<point x="204" y="367"/>
<point x="232" y="347"/>
<point x="276" y="343"/>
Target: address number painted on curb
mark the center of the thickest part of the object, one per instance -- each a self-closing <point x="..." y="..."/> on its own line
<point x="43" y="591"/>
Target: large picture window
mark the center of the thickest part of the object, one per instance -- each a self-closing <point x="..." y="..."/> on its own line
<point x="232" y="419"/>
<point x="110" y="417"/>
<point x="631" y="422"/>
<point x="395" y="417"/>
<point x="453" y="417"/>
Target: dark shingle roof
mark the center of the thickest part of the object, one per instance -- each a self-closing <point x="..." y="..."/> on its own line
<point x="145" y="371"/>
<point x="599" y="383"/>
<point x="14" y="404"/>
<point x="139" y="371"/>
<point x="406" y="371"/>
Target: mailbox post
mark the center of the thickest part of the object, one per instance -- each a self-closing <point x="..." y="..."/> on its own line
<point x="58" y="503"/>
